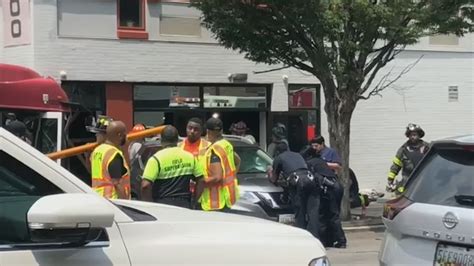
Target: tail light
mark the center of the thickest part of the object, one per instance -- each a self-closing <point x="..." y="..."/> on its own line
<point x="393" y="207"/>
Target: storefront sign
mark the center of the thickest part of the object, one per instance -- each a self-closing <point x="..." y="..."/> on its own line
<point x="16" y="22"/>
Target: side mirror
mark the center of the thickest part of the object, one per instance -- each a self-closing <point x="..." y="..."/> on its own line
<point x="75" y="219"/>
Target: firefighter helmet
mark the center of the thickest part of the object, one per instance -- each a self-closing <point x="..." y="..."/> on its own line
<point x="138" y="128"/>
<point x="414" y="128"/>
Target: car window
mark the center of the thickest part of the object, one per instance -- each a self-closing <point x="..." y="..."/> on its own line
<point x="443" y="177"/>
<point x="20" y="188"/>
<point x="253" y="160"/>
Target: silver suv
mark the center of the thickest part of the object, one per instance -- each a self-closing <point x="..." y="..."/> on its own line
<point x="432" y="223"/>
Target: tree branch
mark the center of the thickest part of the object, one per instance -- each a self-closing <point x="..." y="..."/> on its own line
<point x="384" y="83"/>
<point x="271" y="70"/>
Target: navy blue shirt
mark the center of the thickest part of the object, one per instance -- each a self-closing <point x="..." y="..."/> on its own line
<point x="288" y="162"/>
<point x="330" y="155"/>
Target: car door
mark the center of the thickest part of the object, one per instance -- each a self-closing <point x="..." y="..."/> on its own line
<point x="23" y="180"/>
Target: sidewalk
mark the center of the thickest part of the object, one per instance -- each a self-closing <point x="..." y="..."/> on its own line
<point x="371" y="221"/>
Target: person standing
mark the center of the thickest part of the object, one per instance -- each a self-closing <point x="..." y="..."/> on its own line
<point x="407" y="157"/>
<point x="99" y="128"/>
<point x="110" y="172"/>
<point x="18" y="129"/>
<point x="328" y="154"/>
<point x="168" y="172"/>
<point x="240" y="129"/>
<point x="290" y="171"/>
<point x="193" y="142"/>
<point x="278" y="136"/>
<point x="332" y="234"/>
<point x="219" y="189"/>
<point x="135" y="146"/>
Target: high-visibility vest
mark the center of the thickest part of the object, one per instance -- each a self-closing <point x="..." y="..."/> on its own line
<point x="203" y="145"/>
<point x="101" y="157"/>
<point x="226" y="193"/>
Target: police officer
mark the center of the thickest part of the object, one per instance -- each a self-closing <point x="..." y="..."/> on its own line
<point x="407" y="158"/>
<point x="168" y="172"/>
<point x="290" y="171"/>
<point x="332" y="234"/>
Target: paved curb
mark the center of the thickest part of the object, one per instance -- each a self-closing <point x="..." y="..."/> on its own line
<point x="374" y="228"/>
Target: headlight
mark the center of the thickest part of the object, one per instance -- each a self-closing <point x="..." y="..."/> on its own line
<point x="323" y="261"/>
<point x="250" y="197"/>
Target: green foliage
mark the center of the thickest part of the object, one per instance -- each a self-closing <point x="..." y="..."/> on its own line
<point x="342" y="42"/>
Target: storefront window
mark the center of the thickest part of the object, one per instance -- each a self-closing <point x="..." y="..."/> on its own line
<point x="149" y="119"/>
<point x="235" y="97"/>
<point x="302" y="96"/>
<point x="164" y="96"/>
<point x="303" y="117"/>
<point x="90" y="95"/>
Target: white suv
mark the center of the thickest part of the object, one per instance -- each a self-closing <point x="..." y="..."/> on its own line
<point x="50" y="217"/>
<point x="432" y="223"/>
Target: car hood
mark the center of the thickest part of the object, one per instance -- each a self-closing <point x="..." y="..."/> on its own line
<point x="257" y="183"/>
<point x="197" y="237"/>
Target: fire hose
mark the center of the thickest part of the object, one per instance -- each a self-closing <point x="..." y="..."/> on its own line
<point x="91" y="146"/>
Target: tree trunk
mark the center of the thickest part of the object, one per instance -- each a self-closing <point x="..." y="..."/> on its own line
<point x="339" y="115"/>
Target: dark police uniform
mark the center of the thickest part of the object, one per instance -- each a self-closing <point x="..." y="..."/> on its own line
<point x="171" y="171"/>
<point x="331" y="197"/>
<point x="304" y="192"/>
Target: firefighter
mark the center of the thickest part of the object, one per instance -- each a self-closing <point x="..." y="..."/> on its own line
<point x="99" y="128"/>
<point x="407" y="158"/>
<point x="168" y="172"/>
<point x="110" y="172"/>
<point x="220" y="185"/>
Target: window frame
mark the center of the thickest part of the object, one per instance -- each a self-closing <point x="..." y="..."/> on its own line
<point x="124" y="32"/>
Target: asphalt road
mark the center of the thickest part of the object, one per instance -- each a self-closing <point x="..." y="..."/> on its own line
<point x="362" y="249"/>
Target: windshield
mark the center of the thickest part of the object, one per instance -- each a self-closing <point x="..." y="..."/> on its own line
<point x="253" y="160"/>
<point x="445" y="178"/>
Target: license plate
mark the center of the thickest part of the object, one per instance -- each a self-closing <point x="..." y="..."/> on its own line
<point x="286" y="218"/>
<point x="454" y="255"/>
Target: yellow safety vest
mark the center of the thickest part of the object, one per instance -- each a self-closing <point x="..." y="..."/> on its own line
<point x="226" y="193"/>
<point x="101" y="179"/>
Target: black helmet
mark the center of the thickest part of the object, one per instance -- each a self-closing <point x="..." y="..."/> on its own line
<point x="279" y="131"/>
<point x="414" y="128"/>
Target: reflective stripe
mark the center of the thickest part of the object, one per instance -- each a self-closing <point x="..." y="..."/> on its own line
<point x="101" y="180"/>
<point x="391" y="175"/>
<point x="397" y="161"/>
<point x="225" y="193"/>
<point x="104" y="183"/>
<point x="229" y="181"/>
<point x="214" y="197"/>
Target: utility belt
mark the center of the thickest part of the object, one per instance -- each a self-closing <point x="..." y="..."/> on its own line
<point x="325" y="181"/>
<point x="300" y="175"/>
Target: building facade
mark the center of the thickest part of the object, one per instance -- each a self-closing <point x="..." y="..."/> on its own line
<point x="150" y="61"/>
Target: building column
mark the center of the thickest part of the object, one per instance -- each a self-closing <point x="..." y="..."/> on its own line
<point x="119" y="97"/>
